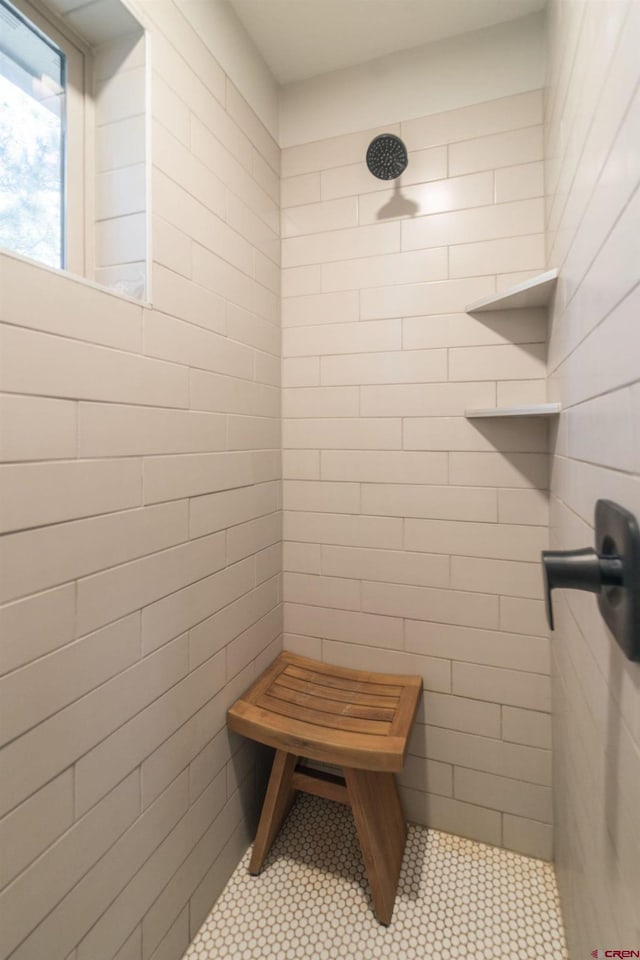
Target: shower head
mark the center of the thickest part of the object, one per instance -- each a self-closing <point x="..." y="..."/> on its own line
<point x="387" y="156"/>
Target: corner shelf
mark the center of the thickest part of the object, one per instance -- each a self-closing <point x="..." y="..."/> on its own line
<point x="536" y="292"/>
<point x="533" y="410"/>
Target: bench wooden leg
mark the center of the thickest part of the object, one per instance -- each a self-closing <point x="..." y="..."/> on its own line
<point x="382" y="832"/>
<point x="277" y="801"/>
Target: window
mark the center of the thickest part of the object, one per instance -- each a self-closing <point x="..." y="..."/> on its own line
<point x="74" y="122"/>
<point x="41" y="167"/>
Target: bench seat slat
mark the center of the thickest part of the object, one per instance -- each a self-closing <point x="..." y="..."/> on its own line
<point x="321" y="719"/>
<point x="334" y="708"/>
<point x="330" y="679"/>
<point x="335" y="693"/>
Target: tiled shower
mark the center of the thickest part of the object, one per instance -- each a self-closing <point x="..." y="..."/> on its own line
<point x="273" y="450"/>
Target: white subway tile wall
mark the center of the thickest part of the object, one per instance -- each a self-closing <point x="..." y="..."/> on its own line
<point x="121" y="202"/>
<point x="407" y="527"/>
<point x="592" y="164"/>
<point x="141" y="516"/>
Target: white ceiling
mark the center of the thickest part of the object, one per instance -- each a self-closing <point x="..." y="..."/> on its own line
<point x="302" y="38"/>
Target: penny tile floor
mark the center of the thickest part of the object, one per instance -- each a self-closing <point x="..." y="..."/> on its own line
<point x="457" y="899"/>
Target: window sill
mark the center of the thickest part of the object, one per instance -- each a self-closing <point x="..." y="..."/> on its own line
<point x="75" y="278"/>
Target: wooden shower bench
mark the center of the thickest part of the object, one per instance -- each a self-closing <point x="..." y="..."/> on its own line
<point x="352" y="719"/>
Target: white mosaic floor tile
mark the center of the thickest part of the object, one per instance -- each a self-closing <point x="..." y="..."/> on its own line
<point x="457" y="899"/>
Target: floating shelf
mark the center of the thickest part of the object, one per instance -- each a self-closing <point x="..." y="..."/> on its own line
<point x="533" y="410"/>
<point x="536" y="292"/>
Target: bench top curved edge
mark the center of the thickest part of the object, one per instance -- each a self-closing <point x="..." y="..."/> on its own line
<point x="353" y="735"/>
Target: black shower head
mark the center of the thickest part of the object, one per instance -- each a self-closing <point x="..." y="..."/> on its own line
<point x="387" y="156"/>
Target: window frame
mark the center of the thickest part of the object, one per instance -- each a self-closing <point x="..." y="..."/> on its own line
<point x="78" y="140"/>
